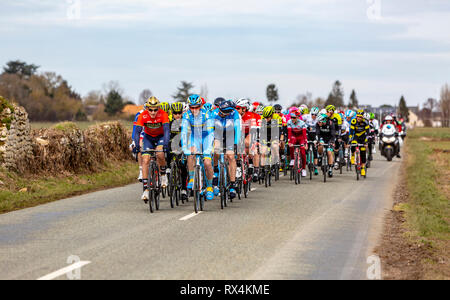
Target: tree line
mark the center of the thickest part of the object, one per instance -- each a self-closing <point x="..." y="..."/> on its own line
<point x="47" y="96"/>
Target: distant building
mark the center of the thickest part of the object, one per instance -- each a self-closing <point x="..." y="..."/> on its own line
<point x="131" y="109"/>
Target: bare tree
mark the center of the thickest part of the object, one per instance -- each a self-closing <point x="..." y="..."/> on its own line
<point x="112" y="86"/>
<point x="445" y="105"/>
<point x="144" y="95"/>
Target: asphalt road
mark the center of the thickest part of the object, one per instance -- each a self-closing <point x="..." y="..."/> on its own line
<point x="312" y="231"/>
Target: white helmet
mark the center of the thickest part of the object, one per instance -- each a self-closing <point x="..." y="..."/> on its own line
<point x="388" y="118"/>
<point x="243" y="102"/>
<point x="323" y="111"/>
<point x="367" y="116"/>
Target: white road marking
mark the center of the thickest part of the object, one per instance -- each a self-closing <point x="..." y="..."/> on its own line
<point x="190" y="216"/>
<point x="65" y="270"/>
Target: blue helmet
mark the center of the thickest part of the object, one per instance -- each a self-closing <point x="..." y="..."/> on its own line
<point x="194" y="100"/>
<point x="207" y="106"/>
<point x="349" y="113"/>
<point x="226" y="106"/>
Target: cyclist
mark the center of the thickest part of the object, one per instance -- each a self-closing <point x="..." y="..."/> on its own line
<point x="297" y="136"/>
<point x="259" y="109"/>
<point x="196" y="139"/>
<point x="271" y="131"/>
<point x="250" y="125"/>
<point x="311" y="122"/>
<point x="225" y="124"/>
<point x="175" y="143"/>
<point x="136" y="148"/>
<point x="155" y="124"/>
<point x="304" y="110"/>
<point x="217" y="102"/>
<point x="165" y="106"/>
<point x="343" y="138"/>
<point x="359" y="130"/>
<point x="337" y="120"/>
<point x="207" y="107"/>
<point x="326" y="134"/>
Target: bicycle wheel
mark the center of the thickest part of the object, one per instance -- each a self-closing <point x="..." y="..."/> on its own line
<point x="222" y="186"/>
<point x="357" y="166"/>
<point x="295" y="169"/>
<point x="300" y="168"/>
<point x="172" y="184"/>
<point x="196" y="190"/>
<point x="341" y="159"/>
<point x="270" y="176"/>
<point x="325" y="167"/>
<point x="150" y="201"/>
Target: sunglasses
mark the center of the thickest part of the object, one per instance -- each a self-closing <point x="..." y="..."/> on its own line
<point x="177" y="113"/>
<point x="153" y="110"/>
<point x="194" y="107"/>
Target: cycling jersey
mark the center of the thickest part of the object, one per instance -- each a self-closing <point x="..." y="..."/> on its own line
<point x="296" y="132"/>
<point x="326" y="132"/>
<point x="194" y="133"/>
<point x="250" y="120"/>
<point x="266" y="133"/>
<point x="153" y="126"/>
<point x="345" y="128"/>
<point x="359" y="131"/>
<point x="336" y="118"/>
<point x="222" y="127"/>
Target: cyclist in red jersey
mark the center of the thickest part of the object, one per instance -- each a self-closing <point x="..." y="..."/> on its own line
<point x="250" y="122"/>
<point x="155" y="124"/>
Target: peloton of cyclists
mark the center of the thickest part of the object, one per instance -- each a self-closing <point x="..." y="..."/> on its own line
<point x="210" y="129"/>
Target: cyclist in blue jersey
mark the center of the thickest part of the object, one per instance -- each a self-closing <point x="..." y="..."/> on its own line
<point x="136" y="148"/>
<point x="195" y="139"/>
<point x="225" y="124"/>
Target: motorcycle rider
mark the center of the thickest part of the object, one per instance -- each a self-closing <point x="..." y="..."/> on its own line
<point x="389" y="120"/>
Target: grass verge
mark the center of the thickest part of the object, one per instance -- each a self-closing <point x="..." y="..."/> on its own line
<point x="416" y="239"/>
<point x="17" y="192"/>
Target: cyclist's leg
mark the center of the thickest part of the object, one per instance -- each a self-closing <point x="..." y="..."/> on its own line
<point x="275" y="148"/>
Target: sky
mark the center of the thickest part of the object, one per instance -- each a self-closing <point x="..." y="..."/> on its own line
<point x="381" y="48"/>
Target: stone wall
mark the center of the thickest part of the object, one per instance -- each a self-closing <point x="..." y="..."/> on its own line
<point x="15" y="140"/>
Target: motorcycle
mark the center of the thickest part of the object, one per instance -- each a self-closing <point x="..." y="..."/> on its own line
<point x="389" y="142"/>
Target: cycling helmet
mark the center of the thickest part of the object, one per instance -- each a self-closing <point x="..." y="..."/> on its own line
<point x="194" y="100"/>
<point x="323" y="111"/>
<point x="372" y="116"/>
<point x="152" y="102"/>
<point x="259" y="109"/>
<point x="367" y="116"/>
<point x="292" y="109"/>
<point x="177" y="107"/>
<point x="293" y="114"/>
<point x="388" y="118"/>
<point x="304" y="111"/>
<point x="322" y="118"/>
<point x="360" y="112"/>
<point x="268" y="112"/>
<point x="242" y="102"/>
<point x="278" y="107"/>
<point x="330" y="108"/>
<point x="315" y="111"/>
<point x="207" y="106"/>
<point x="218" y="101"/>
<point x="165" y="106"/>
<point x="226" y="107"/>
<point x="349" y="113"/>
